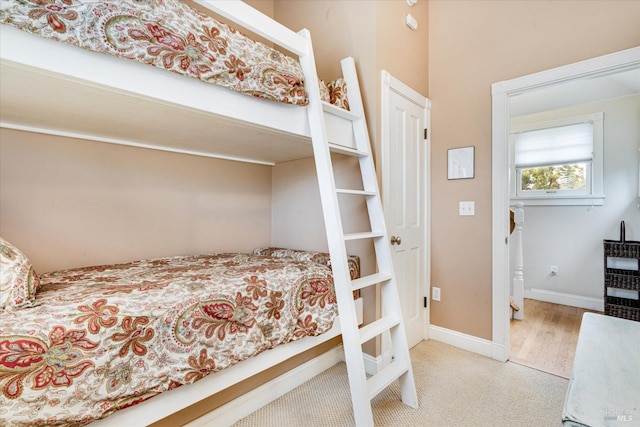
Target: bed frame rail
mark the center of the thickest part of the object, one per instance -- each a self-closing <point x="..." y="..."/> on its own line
<point x="255" y="21"/>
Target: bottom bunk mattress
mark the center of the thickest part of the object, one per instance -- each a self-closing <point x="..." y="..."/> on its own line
<point x="99" y="339"/>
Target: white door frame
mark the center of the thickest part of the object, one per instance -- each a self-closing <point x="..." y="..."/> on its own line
<point x="501" y="94"/>
<point x="390" y="83"/>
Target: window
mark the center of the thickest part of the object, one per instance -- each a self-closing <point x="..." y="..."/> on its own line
<point x="558" y="162"/>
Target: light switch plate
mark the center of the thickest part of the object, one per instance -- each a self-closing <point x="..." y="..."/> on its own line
<point x="435" y="294"/>
<point x="467" y="208"/>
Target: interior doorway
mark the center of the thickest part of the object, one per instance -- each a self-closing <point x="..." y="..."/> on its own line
<point x="503" y="94"/>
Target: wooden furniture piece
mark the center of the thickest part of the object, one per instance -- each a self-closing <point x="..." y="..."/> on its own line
<point x="604" y="387"/>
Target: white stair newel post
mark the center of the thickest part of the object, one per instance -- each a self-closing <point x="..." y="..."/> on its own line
<point x="518" y="273"/>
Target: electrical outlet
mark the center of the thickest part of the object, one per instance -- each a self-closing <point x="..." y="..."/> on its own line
<point x="435" y="294"/>
<point x="467" y="208"/>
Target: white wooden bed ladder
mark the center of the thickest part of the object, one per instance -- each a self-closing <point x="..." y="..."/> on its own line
<point x="363" y="389"/>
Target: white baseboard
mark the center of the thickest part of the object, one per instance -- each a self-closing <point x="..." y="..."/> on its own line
<point x="255" y="399"/>
<point x="468" y="342"/>
<point x="565" y="299"/>
<point x="374" y="364"/>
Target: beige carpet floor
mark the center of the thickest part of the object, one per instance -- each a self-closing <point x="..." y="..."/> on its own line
<point x="455" y="388"/>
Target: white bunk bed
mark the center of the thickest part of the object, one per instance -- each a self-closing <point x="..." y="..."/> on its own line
<point x="189" y="116"/>
<point x="192" y="117"/>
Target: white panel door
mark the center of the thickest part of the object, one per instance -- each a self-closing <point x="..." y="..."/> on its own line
<point x="405" y="158"/>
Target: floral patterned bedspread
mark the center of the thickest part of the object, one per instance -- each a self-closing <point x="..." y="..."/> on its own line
<point x="166" y="34"/>
<point x="107" y="337"/>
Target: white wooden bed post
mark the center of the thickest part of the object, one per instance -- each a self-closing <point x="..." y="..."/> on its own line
<point x="518" y="262"/>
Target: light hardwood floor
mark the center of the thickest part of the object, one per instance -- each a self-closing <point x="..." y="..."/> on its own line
<point x="546" y="339"/>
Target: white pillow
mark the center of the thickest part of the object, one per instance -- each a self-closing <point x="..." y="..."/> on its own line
<point x="18" y="279"/>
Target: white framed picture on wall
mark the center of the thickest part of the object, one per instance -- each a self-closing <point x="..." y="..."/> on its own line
<point x="460" y="163"/>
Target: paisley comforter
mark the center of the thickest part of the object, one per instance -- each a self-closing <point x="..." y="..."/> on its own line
<point x="107" y="337"/>
<point x="166" y="34"/>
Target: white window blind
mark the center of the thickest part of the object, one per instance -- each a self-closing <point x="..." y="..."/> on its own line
<point x="554" y="146"/>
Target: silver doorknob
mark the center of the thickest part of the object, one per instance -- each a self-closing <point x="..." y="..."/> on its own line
<point x="396" y="240"/>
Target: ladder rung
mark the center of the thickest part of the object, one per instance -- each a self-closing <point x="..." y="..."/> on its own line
<point x="377" y="327"/>
<point x="337" y="111"/>
<point x="356" y="192"/>
<point x="372" y="279"/>
<point x="337" y="148"/>
<point x="385" y="377"/>
<point x="360" y="236"/>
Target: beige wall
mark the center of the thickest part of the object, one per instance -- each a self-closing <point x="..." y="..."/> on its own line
<point x="338" y="29"/>
<point x="264" y="6"/>
<point x="374" y="33"/>
<point x="401" y="51"/>
<point x="473" y="44"/>
<point x="70" y="203"/>
<point x="297" y="212"/>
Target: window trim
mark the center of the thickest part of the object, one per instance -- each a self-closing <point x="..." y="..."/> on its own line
<point x="595" y="194"/>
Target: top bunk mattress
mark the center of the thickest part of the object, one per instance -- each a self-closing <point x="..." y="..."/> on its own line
<point x="73" y="89"/>
<point x="166" y="34"/>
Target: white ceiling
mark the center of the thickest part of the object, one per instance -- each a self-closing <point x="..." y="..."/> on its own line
<point x="577" y="91"/>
